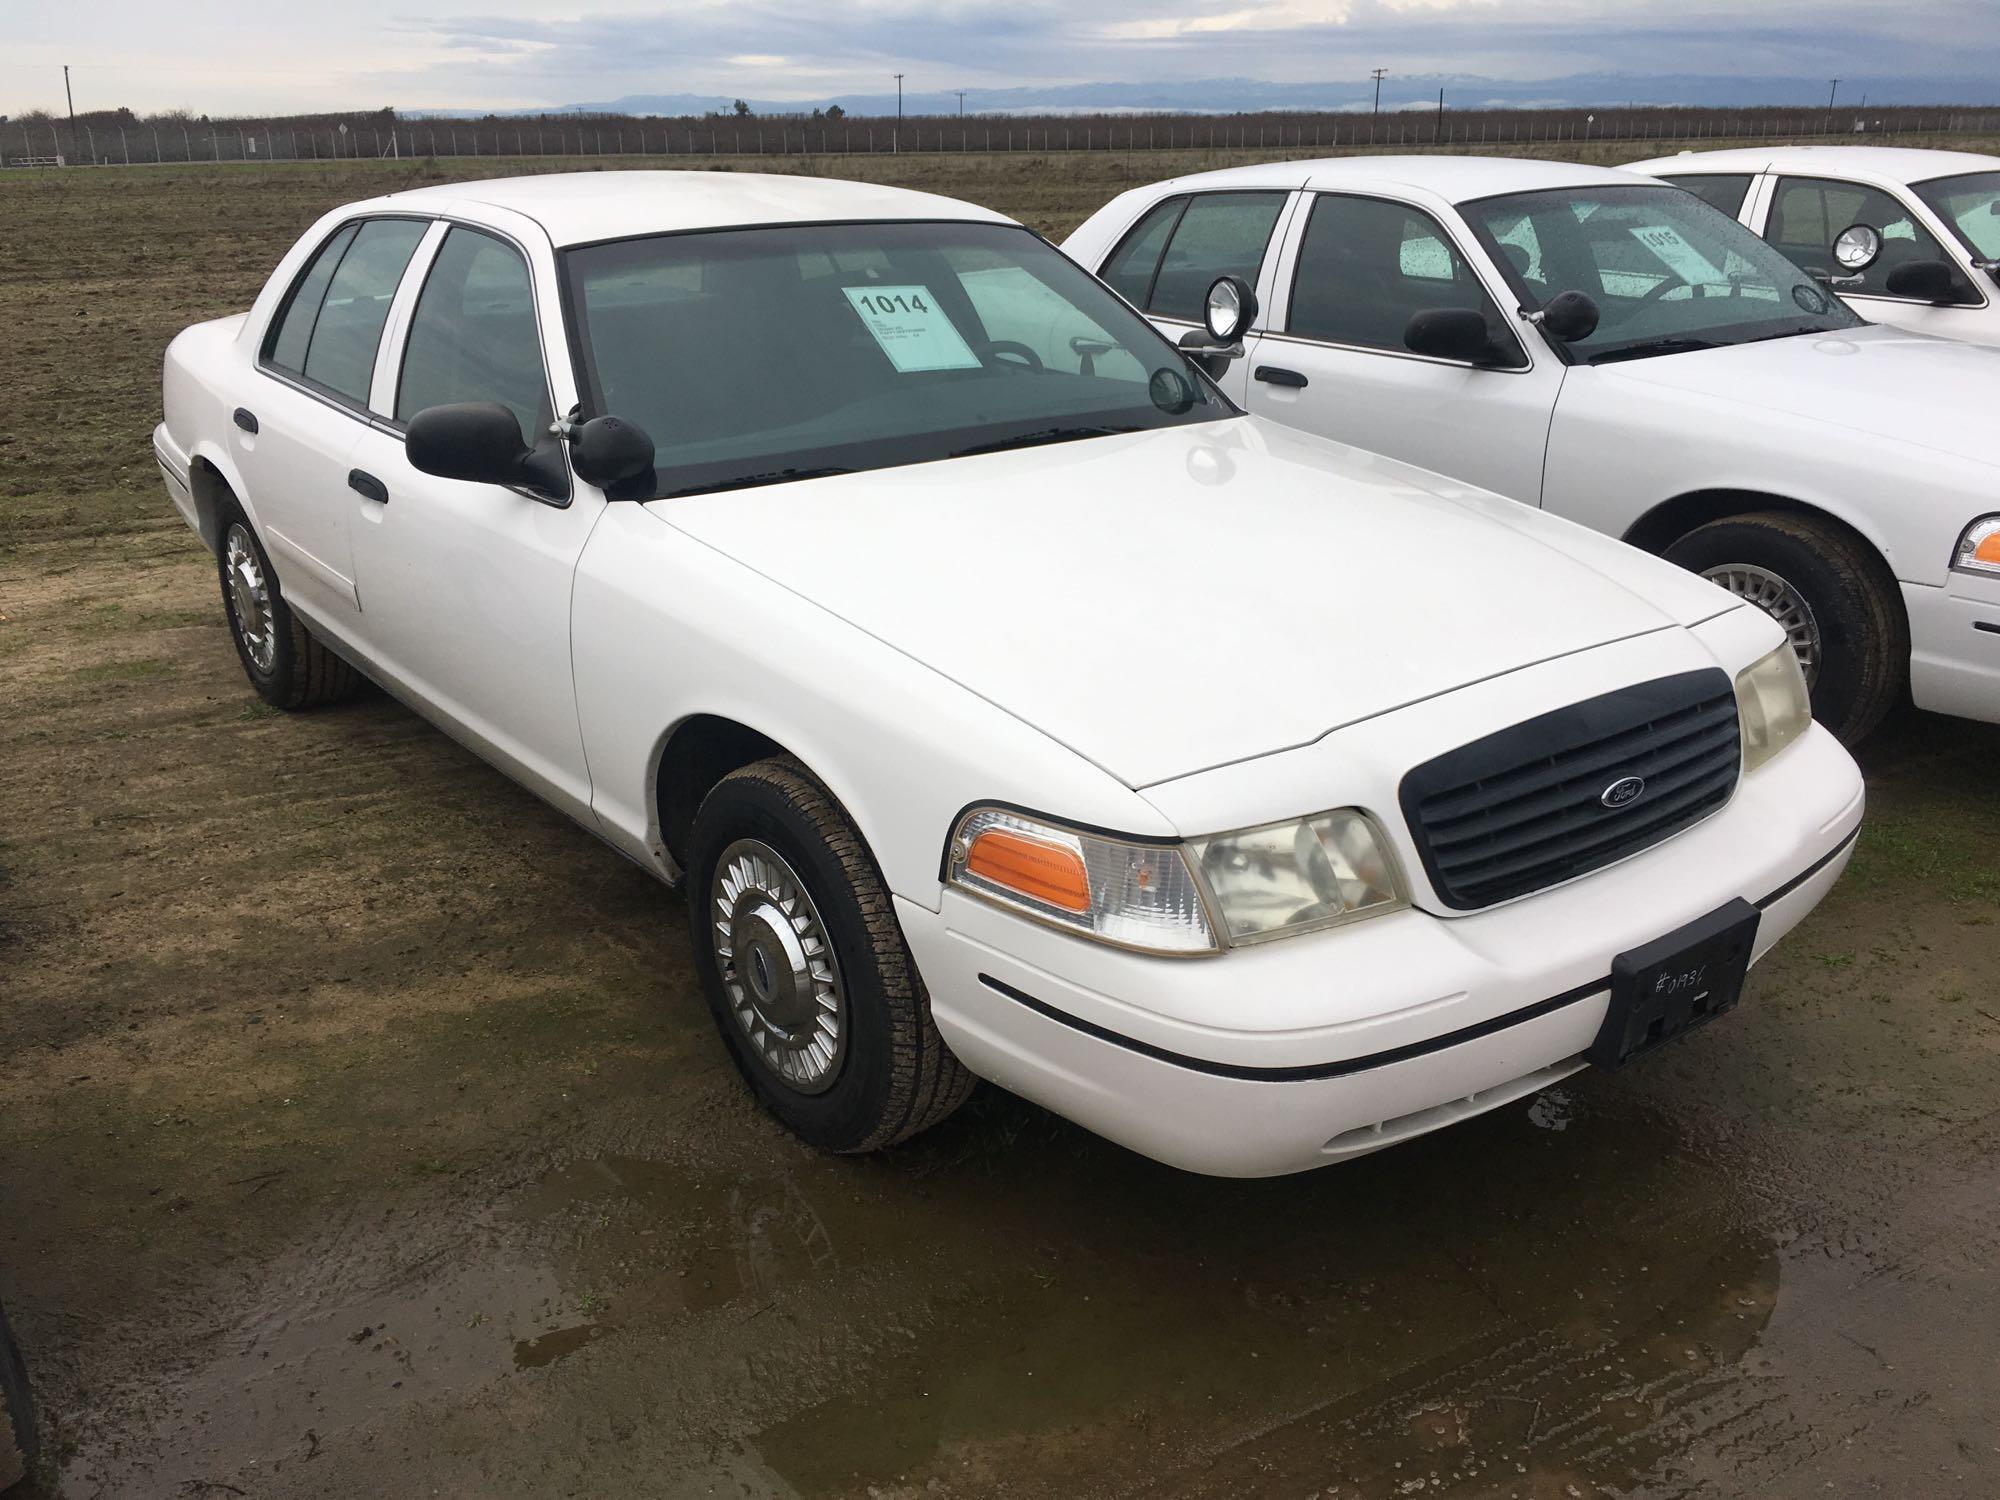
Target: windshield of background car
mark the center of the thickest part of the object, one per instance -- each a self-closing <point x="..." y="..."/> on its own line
<point x="1971" y="206"/>
<point x="752" y="356"/>
<point x="1667" y="271"/>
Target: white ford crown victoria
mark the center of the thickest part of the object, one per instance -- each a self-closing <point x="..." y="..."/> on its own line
<point x="1617" y="352"/>
<point x="1922" y="246"/>
<point x="1004" y="700"/>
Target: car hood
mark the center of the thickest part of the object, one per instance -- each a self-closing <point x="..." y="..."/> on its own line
<point x="1879" y="384"/>
<point x="1169" y="601"/>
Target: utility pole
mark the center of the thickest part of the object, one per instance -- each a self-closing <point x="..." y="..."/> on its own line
<point x="1833" y="87"/>
<point x="71" y="98"/>
<point x="1379" y="75"/>
<point x="896" y="141"/>
<point x="1438" y="134"/>
<point x="961" y="103"/>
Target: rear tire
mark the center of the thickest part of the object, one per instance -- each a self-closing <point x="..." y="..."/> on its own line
<point x="1833" y="594"/>
<point x="19" y="1440"/>
<point x="805" y="967"/>
<point x="285" y="662"/>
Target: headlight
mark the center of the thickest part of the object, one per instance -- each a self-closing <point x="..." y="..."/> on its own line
<point x="1772" y="705"/>
<point x="1293" y="877"/>
<point x="1133" y="895"/>
<point x="1979" y="547"/>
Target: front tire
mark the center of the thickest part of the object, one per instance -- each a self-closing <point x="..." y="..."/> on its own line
<point x="1833" y="596"/>
<point x="285" y="662"/>
<point x="805" y="967"/>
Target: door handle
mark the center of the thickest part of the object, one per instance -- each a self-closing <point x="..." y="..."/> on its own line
<point x="246" y="419"/>
<point x="1279" y="375"/>
<point x="367" y="486"/>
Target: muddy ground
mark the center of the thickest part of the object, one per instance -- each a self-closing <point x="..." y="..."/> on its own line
<point x="362" y="1131"/>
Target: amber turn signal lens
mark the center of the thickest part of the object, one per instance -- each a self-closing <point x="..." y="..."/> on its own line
<point x="1988" y="549"/>
<point x="1031" y="867"/>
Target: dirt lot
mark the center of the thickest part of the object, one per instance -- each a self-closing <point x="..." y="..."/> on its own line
<point x="362" y="1131"/>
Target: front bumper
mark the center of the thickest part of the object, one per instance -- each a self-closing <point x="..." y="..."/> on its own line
<point x="1955" y="646"/>
<point x="1289" y="1055"/>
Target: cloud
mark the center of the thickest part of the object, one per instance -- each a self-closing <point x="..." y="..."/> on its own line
<point x="223" y="55"/>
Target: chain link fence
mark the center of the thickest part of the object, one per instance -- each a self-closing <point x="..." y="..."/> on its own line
<point x="112" y="141"/>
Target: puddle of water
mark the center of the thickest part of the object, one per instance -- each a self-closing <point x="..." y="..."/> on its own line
<point x="547" y="1348"/>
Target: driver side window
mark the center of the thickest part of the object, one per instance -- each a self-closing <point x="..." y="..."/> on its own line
<point x="472" y="336"/>
<point x="1367" y="266"/>
<point x="1808" y="214"/>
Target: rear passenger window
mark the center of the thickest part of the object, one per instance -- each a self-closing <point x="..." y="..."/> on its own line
<point x="291" y="330"/>
<point x="340" y="346"/>
<point x="473" y="338"/>
<point x="1221" y="234"/>
<point x="1808" y="214"/>
<point x="1367" y="266"/>
<point x="1719" y="190"/>
<point x="1131" y="267"/>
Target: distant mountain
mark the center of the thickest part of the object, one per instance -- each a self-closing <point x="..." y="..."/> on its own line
<point x="1249" y="95"/>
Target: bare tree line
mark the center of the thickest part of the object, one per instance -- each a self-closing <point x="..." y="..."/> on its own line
<point x="114" y="138"/>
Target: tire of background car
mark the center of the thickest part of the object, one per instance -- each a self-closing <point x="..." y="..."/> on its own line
<point x="805" y="967"/>
<point x="18" y="1436"/>
<point x="1851" y="609"/>
<point x="285" y="663"/>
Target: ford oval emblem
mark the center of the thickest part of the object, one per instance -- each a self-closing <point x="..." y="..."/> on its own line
<point x="1623" y="792"/>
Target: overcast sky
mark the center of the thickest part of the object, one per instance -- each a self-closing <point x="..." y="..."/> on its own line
<point x="236" y="56"/>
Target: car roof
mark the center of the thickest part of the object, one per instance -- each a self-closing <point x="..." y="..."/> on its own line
<point x="1882" y="164"/>
<point x="580" y="208"/>
<point x="1458" y="179"/>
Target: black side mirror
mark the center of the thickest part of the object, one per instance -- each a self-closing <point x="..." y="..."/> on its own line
<point x="477" y="441"/>
<point x="1928" y="281"/>
<point x="1569" y="316"/>
<point x="1450" y="333"/>
<point x="608" y="451"/>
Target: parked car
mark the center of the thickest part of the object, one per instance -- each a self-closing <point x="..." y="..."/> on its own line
<point x="1927" y="254"/>
<point x="1617" y="352"/>
<point x="18" y="1437"/>
<point x="1004" y="700"/>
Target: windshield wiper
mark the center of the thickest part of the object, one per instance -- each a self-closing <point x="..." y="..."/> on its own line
<point x="750" y="481"/>
<point x="1680" y="345"/>
<point x="1037" y="438"/>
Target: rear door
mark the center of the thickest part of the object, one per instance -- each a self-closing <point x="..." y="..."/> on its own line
<point x="1353" y="271"/>
<point x="1167" y="261"/>
<point x="301" y="421"/>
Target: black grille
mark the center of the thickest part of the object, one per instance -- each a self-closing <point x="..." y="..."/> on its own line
<point x="1524" y="808"/>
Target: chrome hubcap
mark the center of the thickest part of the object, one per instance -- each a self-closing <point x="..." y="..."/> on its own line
<point x="778" y="969"/>
<point x="1779" y="600"/>
<point x="250" y="600"/>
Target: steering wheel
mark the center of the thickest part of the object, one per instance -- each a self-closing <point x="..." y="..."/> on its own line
<point x="1013" y="351"/>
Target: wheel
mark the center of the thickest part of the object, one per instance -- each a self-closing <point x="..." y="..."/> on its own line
<point x="1834" y="598"/>
<point x="17" y="1412"/>
<point x="805" y="967"/>
<point x="284" y="661"/>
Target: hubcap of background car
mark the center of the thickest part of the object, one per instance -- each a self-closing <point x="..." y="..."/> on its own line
<point x="250" y="599"/>
<point x="1779" y="600"/>
<point x="778" y="969"/>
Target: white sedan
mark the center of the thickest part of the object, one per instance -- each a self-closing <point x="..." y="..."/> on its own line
<point x="1004" y="701"/>
<point x="1615" y="351"/>
<point x="1923" y="227"/>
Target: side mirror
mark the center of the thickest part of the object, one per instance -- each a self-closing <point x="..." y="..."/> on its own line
<point x="608" y="451"/>
<point x="1858" y="247"/>
<point x="1569" y="316"/>
<point x="1928" y="281"/>
<point x="1450" y="333"/>
<point x="477" y="441"/>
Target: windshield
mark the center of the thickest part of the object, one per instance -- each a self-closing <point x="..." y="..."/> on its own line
<point x="1971" y="206"/>
<point x="758" y="355"/>
<point x="1667" y="271"/>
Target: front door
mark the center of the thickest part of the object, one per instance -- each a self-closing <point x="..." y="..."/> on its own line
<point x="465" y="588"/>
<point x="1354" y="272"/>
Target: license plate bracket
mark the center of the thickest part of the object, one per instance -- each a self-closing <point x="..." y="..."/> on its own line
<point x="1676" y="983"/>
